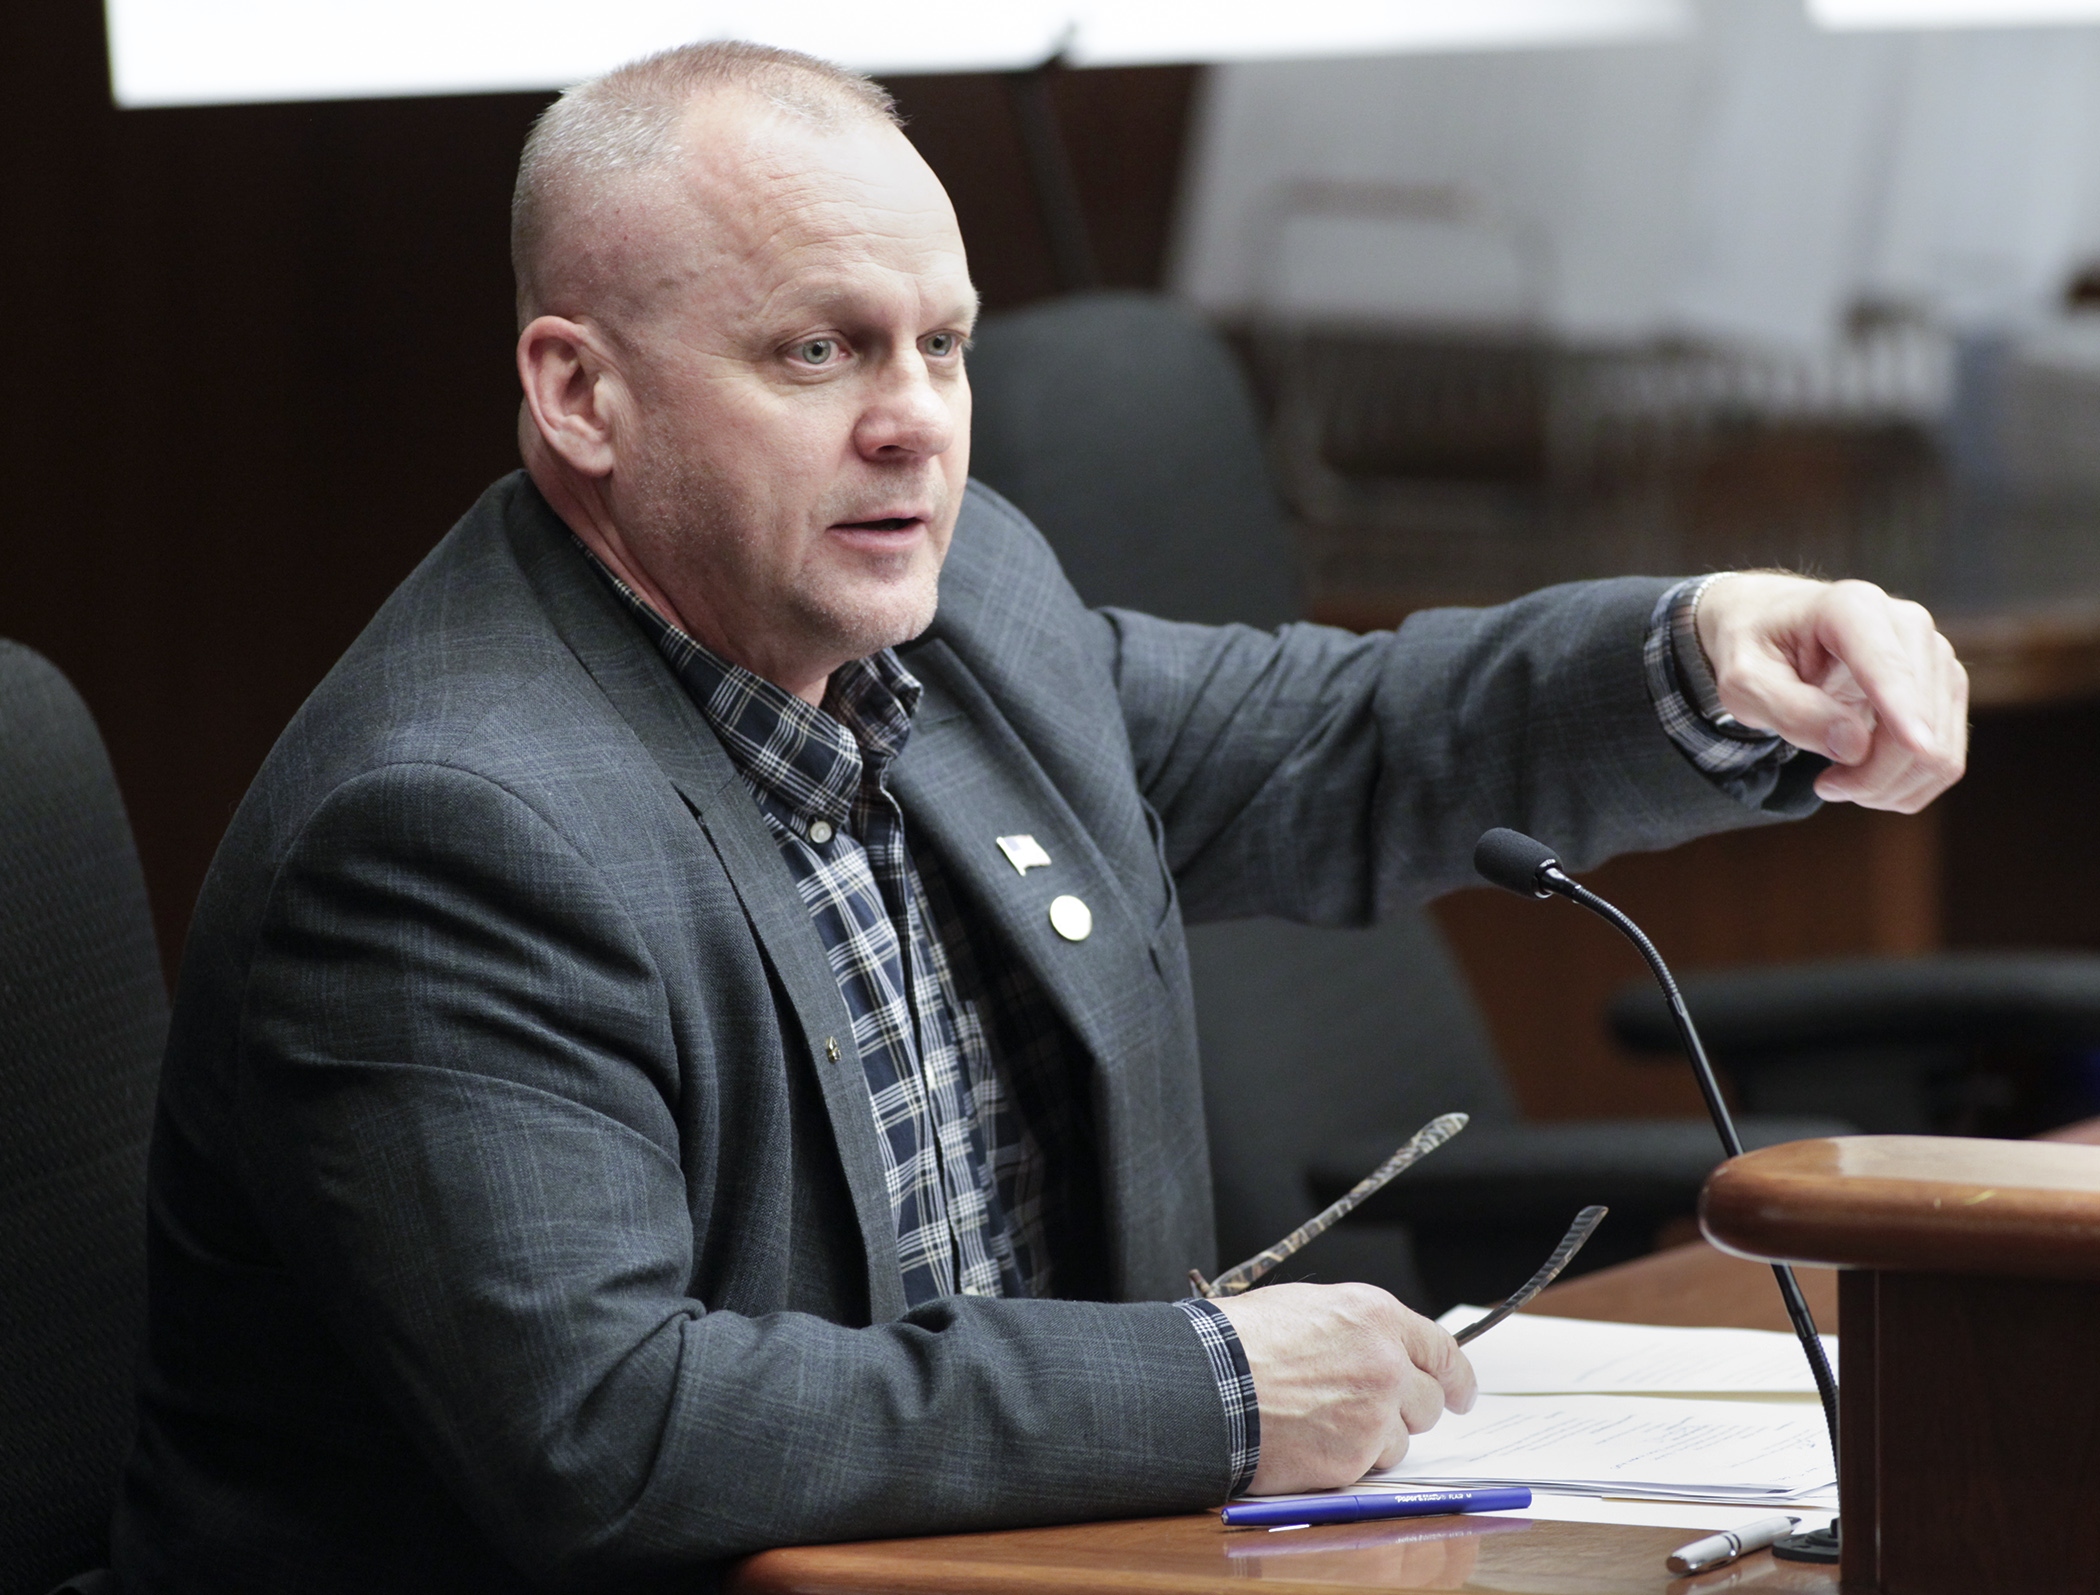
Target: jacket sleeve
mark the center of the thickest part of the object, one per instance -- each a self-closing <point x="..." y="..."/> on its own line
<point x="1321" y="776"/>
<point x="461" y="1109"/>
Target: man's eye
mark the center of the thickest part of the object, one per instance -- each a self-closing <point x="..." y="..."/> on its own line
<point x="943" y="344"/>
<point x="817" y="352"/>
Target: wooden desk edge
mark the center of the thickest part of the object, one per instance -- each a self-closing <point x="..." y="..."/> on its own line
<point x="1181" y="1555"/>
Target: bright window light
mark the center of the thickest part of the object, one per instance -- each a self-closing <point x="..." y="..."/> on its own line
<point x="197" y="52"/>
<point x="1952" y="13"/>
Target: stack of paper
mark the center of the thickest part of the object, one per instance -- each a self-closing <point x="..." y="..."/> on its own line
<point x="1631" y="1410"/>
<point x="1531" y="1354"/>
<point x="1741" y="1452"/>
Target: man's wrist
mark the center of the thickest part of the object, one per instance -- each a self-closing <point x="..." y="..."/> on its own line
<point x="1694" y="668"/>
<point x="1228" y="1365"/>
<point x="1741" y="760"/>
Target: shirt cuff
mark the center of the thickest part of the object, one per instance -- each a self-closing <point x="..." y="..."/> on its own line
<point x="1228" y="1365"/>
<point x="1742" y="762"/>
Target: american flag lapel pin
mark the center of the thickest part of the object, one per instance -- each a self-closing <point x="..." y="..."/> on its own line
<point x="1023" y="852"/>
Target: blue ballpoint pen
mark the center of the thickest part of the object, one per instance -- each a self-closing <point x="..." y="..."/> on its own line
<point x="1354" y="1506"/>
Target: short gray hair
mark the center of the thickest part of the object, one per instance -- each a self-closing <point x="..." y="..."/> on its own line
<point x="626" y="121"/>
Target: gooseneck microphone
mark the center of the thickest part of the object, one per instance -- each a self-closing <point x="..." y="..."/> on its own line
<point x="1526" y="866"/>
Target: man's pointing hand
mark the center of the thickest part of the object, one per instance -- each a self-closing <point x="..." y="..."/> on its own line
<point x="1844" y="670"/>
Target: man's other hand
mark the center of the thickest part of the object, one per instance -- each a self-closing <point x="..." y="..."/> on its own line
<point x="1842" y="669"/>
<point x="1343" y="1375"/>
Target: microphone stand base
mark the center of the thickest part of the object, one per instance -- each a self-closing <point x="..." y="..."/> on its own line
<point x="1818" y="1545"/>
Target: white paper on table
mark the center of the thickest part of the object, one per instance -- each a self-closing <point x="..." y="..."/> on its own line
<point x="1707" y="1517"/>
<point x="1532" y="1354"/>
<point x="1747" y="1451"/>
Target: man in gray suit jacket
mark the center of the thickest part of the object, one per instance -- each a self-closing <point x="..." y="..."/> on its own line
<point x="684" y="1049"/>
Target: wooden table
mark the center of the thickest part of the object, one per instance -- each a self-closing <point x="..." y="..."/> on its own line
<point x="1197" y="1555"/>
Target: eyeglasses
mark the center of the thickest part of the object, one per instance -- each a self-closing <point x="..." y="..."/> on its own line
<point x="1425" y="1141"/>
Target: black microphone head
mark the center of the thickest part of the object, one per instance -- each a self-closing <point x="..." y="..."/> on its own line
<point x="1512" y="861"/>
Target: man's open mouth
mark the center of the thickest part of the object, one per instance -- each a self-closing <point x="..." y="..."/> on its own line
<point x="893" y="523"/>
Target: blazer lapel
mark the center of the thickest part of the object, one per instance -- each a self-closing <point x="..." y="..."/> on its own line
<point x="965" y="780"/>
<point x="645" y="693"/>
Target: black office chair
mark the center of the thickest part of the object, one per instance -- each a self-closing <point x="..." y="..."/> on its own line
<point x="1123" y="426"/>
<point x="82" y="1016"/>
<point x="1969" y="1043"/>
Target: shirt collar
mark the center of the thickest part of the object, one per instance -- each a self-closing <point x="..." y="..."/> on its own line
<point x="816" y="761"/>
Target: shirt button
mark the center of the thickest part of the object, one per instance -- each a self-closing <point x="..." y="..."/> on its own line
<point x="820" y="831"/>
<point x="973" y="1290"/>
<point x="1071" y="918"/>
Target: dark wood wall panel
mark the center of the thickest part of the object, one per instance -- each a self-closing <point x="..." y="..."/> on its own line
<point x="261" y="361"/>
<point x="267" y="365"/>
<point x="2022" y="870"/>
<point x="1125" y="129"/>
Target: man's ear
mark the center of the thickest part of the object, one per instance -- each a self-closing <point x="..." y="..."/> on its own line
<point x="570" y="392"/>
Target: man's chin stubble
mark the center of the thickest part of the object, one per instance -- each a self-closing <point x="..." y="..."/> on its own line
<point x="857" y="629"/>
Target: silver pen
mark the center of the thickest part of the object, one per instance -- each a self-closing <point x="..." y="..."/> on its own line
<point x="1717" y="1549"/>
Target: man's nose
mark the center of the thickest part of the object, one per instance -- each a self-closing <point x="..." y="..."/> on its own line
<point x="909" y="415"/>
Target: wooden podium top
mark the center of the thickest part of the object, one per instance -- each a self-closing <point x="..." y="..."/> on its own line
<point x="1913" y="1203"/>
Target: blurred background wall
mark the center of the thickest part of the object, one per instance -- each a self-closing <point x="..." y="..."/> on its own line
<point x="1759" y="292"/>
<point x="1748" y="292"/>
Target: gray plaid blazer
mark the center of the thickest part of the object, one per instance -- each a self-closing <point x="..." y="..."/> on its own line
<point x="513" y="1221"/>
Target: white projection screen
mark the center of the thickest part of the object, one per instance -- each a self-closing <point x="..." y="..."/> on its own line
<point x="206" y="52"/>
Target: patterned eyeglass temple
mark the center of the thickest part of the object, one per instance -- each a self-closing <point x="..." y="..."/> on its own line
<point x="1585" y="1224"/>
<point x="1426" y="1140"/>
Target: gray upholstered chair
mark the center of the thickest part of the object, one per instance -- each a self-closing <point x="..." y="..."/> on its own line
<point x="1968" y="1043"/>
<point x="1123" y="426"/>
<point x="82" y="1014"/>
